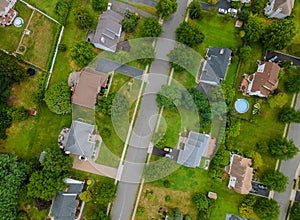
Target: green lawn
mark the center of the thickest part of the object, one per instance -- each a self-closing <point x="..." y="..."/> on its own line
<point x="40" y="41"/>
<point x="10" y="35"/>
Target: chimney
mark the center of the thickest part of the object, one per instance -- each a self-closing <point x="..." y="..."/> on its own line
<point x="102" y="39"/>
<point x="222" y="51"/>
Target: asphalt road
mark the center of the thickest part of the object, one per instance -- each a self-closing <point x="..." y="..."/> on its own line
<point x="289" y="168"/>
<point x="142" y="132"/>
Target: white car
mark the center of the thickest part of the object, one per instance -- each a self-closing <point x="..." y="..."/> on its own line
<point x="168" y="149"/>
<point x="222" y="11"/>
<point x="109" y="6"/>
<point x="232" y="10"/>
<point x="169" y="156"/>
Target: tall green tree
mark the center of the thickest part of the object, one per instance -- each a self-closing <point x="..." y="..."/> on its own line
<point x="288" y="114"/>
<point x="193" y="99"/>
<point x="200" y="200"/>
<point x="166" y="7"/>
<point x="267" y="209"/>
<point x="275" y="180"/>
<point x="99" y="5"/>
<point x="195" y="10"/>
<point x="189" y="34"/>
<point x="129" y="25"/>
<point x="169" y="97"/>
<point x="144" y="53"/>
<point x="292" y="83"/>
<point x="283" y="149"/>
<point x="103" y="193"/>
<point x="295" y="211"/>
<point x="82" y="53"/>
<point x="83" y="19"/>
<point x="177" y="214"/>
<point x="279" y="34"/>
<point x="245" y="52"/>
<point x="151" y="28"/>
<point x="12" y="177"/>
<point x="255" y="28"/>
<point x="58" y="98"/>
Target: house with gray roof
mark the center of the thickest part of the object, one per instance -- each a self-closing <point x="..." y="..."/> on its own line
<point x="279" y="8"/>
<point x="108" y="32"/>
<point x="215" y="66"/>
<point x="194" y="150"/>
<point x="65" y="203"/>
<point x="81" y="139"/>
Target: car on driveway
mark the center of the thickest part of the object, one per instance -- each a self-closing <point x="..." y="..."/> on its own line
<point x="168" y="149"/>
<point x="169" y="156"/>
<point x="232" y="10"/>
<point x="253" y="190"/>
<point x="222" y="11"/>
<point x="262" y="186"/>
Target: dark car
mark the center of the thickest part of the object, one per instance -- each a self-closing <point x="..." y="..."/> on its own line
<point x="262" y="186"/>
<point x="253" y="190"/>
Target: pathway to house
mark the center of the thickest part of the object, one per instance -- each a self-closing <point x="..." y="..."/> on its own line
<point x="144" y="126"/>
<point x="289" y="168"/>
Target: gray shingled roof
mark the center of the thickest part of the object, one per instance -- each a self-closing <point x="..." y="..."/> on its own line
<point x="78" y="142"/>
<point x="215" y="66"/>
<point x="65" y="203"/>
<point x="195" y="148"/>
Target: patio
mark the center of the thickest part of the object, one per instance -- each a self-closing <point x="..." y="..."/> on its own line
<point x="9" y="17"/>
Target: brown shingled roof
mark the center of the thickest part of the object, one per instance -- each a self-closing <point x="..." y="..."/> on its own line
<point x="86" y="91"/>
<point x="286" y="6"/>
<point x="240" y="169"/>
<point x="266" y="81"/>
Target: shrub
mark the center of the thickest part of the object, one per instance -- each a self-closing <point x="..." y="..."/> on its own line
<point x="62" y="47"/>
<point x="83" y="19"/>
<point x="167" y="183"/>
<point x="62" y="9"/>
<point x="20" y="114"/>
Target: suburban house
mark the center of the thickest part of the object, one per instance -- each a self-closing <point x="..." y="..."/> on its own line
<point x="215" y="66"/>
<point x="241" y="173"/>
<point x="80" y="139"/>
<point x="242" y="1"/>
<point x="65" y="203"/>
<point x="234" y="217"/>
<point x="196" y="150"/>
<point x="262" y="82"/>
<point x="108" y="32"/>
<point x="279" y="8"/>
<point x="86" y="85"/>
<point x="7" y="13"/>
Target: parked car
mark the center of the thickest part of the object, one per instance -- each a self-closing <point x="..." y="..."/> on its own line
<point x="168" y="149"/>
<point x="273" y="59"/>
<point x="169" y="156"/>
<point x="232" y="10"/>
<point x="262" y="186"/>
<point x="109" y="6"/>
<point x="222" y="11"/>
<point x="253" y="190"/>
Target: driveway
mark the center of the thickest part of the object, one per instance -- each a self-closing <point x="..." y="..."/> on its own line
<point x="261" y="192"/>
<point x="282" y="56"/>
<point x="145" y="122"/>
<point x="120" y="7"/>
<point x="289" y="168"/>
<point x="106" y="66"/>
<point x="297" y="198"/>
<point x="152" y="3"/>
<point x="220" y="4"/>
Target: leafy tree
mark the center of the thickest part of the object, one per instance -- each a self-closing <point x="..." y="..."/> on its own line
<point x="104" y="104"/>
<point x="56" y="162"/>
<point x="195" y="10"/>
<point x="246" y="208"/>
<point x="129" y="25"/>
<point x="177" y="214"/>
<point x="279" y="34"/>
<point x="187" y="217"/>
<point x="233" y="128"/>
<point x="103" y="193"/>
<point x="62" y="9"/>
<point x="20" y="114"/>
<point x="219" y="161"/>
<point x="121" y="56"/>
<point x="254" y="28"/>
<point x="99" y="5"/>
<point x="245" y="52"/>
<point x="83" y="19"/>
<point x="182" y="58"/>
<point x="287" y="115"/>
<point x="169" y="97"/>
<point x="218" y="109"/>
<point x="192" y="98"/>
<point x="82" y="53"/>
<point x="57" y="98"/>
<point x="166" y="7"/>
<point x="283" y="149"/>
<point x="243" y="14"/>
<point x="257" y="160"/>
<point x="201" y="202"/>
<point x="62" y="47"/>
<point x="267" y="209"/>
<point x="292" y="84"/>
<point x="144" y="53"/>
<point x="295" y="211"/>
<point x="275" y="180"/>
<point x="278" y="100"/>
<point x="12" y="177"/>
<point x="189" y="34"/>
<point x="151" y="28"/>
<point x="228" y="92"/>
<point x="5" y="120"/>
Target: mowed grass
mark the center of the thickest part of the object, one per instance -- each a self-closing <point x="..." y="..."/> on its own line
<point x="184" y="183"/>
<point x="40" y="40"/>
<point x="10" y="35"/>
<point x="47" y="7"/>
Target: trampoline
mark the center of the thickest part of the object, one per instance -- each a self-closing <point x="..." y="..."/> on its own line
<point x="241" y="105"/>
<point x="18" y="22"/>
<point x="31" y="71"/>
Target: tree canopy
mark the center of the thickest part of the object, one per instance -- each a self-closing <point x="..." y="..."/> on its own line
<point x="275" y="180"/>
<point x="255" y="28"/>
<point x="103" y="193"/>
<point x="12" y="177"/>
<point x="99" y="5"/>
<point x="193" y="99"/>
<point x="189" y="34"/>
<point x="82" y="53"/>
<point x="279" y="34"/>
<point x="200" y="200"/>
<point x="267" y="209"/>
<point x="83" y="19"/>
<point x="295" y="211"/>
<point x="151" y="27"/>
<point x="292" y="83"/>
<point x="166" y="7"/>
<point x="195" y="10"/>
<point x="144" y="53"/>
<point x="245" y="52"/>
<point x="116" y="104"/>
<point x="169" y="97"/>
<point x="288" y="114"/>
<point x="283" y="149"/>
<point x="58" y="98"/>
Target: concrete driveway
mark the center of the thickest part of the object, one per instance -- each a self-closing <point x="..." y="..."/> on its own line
<point x="261" y="192"/>
<point x="282" y="56"/>
<point x="120" y="7"/>
<point x="220" y="4"/>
